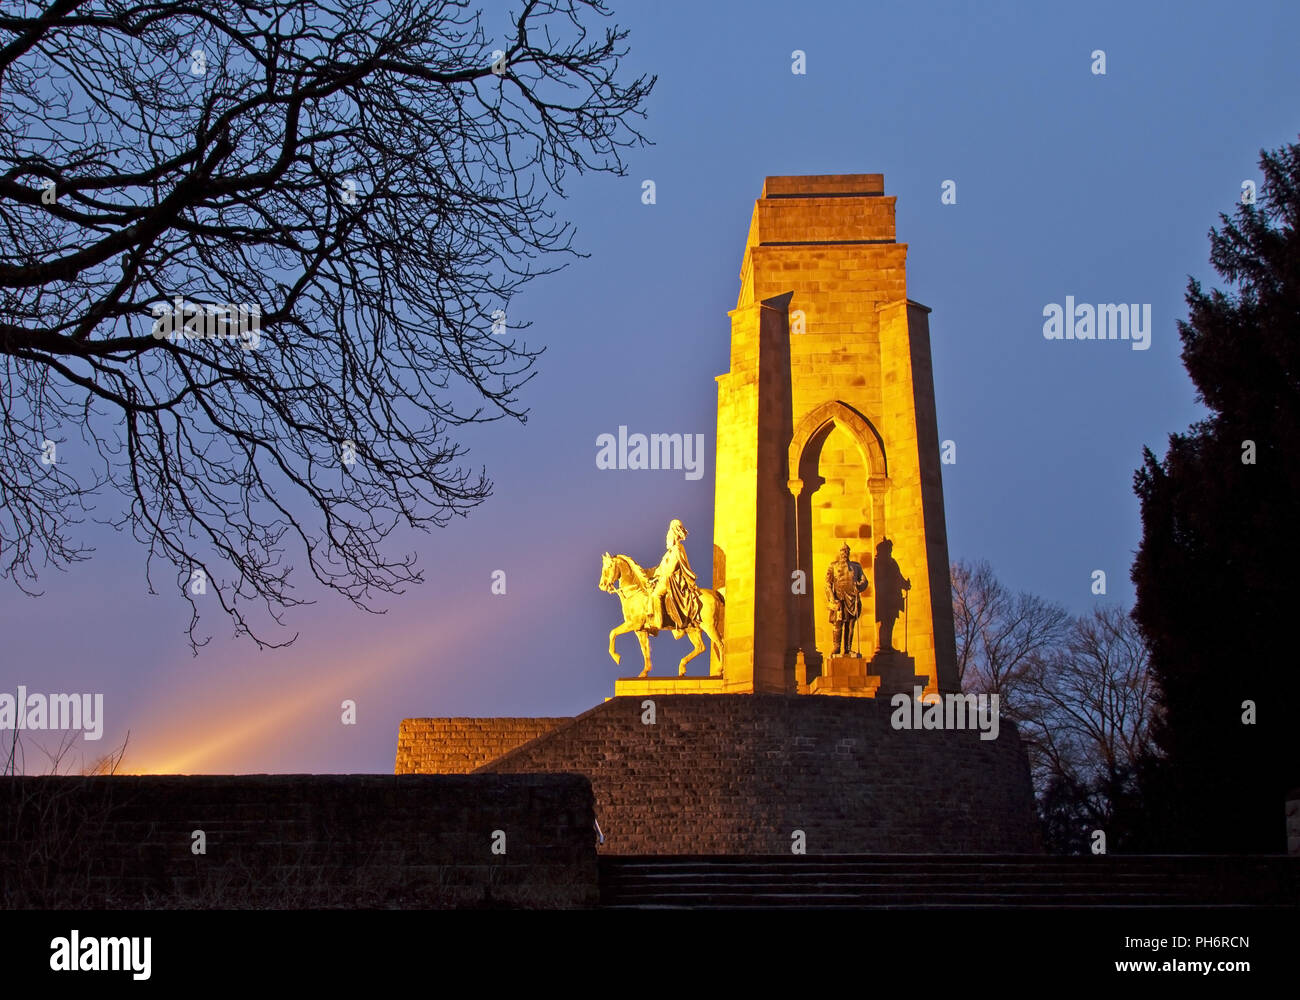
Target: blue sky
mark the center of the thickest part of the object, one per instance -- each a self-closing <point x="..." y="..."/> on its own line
<point x="1068" y="183"/>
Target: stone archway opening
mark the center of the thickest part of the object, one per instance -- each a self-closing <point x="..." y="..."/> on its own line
<point x="839" y="479"/>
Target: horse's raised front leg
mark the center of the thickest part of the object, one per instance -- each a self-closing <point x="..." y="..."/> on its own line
<point x="622" y="629"/>
<point x="697" y="647"/>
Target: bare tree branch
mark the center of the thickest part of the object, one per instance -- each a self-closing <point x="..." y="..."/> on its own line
<point x="368" y="182"/>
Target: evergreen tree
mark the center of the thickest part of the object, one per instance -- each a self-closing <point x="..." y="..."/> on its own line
<point x="1219" y="552"/>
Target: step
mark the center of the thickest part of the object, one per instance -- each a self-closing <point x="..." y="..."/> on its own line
<point x="917" y="881"/>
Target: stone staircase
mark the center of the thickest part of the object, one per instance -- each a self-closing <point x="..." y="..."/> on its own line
<point x="948" y="881"/>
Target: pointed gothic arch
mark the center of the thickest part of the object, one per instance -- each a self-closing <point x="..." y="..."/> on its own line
<point x="806" y="442"/>
<point x="858" y="427"/>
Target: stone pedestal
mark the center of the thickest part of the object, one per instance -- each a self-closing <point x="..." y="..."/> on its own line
<point x="845" y="676"/>
<point x="885" y="674"/>
<point x="895" y="673"/>
<point x="641" y="686"/>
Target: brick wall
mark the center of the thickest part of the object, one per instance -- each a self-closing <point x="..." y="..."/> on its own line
<point x="458" y="746"/>
<point x="738" y="774"/>
<point x="296" y="841"/>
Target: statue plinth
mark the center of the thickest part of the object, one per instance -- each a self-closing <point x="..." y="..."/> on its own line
<point x="644" y="686"/>
<point x="887" y="673"/>
<point x="895" y="673"/>
<point x="846" y="676"/>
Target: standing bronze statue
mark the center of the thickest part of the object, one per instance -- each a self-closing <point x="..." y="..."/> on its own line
<point x="890" y="599"/>
<point x="845" y="583"/>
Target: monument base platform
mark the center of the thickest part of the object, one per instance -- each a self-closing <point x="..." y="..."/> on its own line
<point x="751" y="773"/>
<point x="633" y="687"/>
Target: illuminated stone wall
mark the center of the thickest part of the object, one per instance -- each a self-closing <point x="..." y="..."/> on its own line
<point x="458" y="746"/>
<point x="830" y="389"/>
<point x="738" y="774"/>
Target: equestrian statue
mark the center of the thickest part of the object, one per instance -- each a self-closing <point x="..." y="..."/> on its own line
<point x="667" y="598"/>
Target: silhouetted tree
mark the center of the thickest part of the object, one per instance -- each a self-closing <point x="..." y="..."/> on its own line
<point x="1079" y="691"/>
<point x="364" y="185"/>
<point x="999" y="633"/>
<point x="1091" y="698"/>
<point x="1086" y="719"/>
<point x="1216" y="568"/>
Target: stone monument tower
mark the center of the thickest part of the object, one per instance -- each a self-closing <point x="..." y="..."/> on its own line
<point x="827" y="435"/>
<point x="826" y="439"/>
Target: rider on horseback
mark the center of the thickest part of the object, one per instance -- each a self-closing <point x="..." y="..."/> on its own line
<point x="673" y="585"/>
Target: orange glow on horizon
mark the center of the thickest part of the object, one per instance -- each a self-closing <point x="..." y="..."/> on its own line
<point x="193" y="742"/>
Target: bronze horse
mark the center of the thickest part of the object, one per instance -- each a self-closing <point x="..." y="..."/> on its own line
<point x="622" y="575"/>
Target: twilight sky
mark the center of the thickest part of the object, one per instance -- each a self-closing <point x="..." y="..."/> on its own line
<point x="1068" y="184"/>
